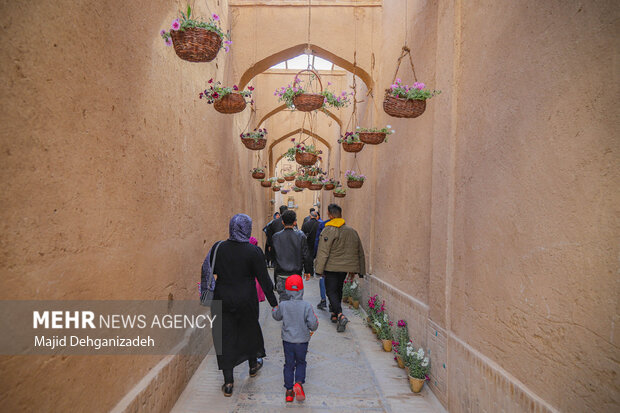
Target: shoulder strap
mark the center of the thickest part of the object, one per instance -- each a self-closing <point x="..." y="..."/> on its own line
<point x="215" y="255"/>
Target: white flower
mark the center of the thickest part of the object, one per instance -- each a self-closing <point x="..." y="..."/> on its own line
<point x="358" y="127"/>
<point x="425" y="362"/>
<point x="354" y="285"/>
<point x="378" y="324"/>
<point x="409" y="351"/>
<point x="385" y="317"/>
<point x="393" y="131"/>
<point x="420" y="354"/>
<point x="389" y="127"/>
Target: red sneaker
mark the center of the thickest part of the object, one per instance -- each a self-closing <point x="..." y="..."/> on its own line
<point x="299" y="392"/>
<point x="290" y="395"/>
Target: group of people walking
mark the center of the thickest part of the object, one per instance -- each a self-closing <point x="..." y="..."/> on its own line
<point x="329" y="249"/>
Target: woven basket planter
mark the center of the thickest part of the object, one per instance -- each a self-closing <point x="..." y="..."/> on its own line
<point x="298" y="189"/>
<point x="329" y="187"/>
<point x="281" y="180"/>
<point x="372" y="138"/>
<point x="315" y="187"/>
<point x="355" y="184"/>
<point x="307" y="102"/>
<point x="275" y="188"/>
<point x="403" y="108"/>
<point x="255" y="145"/>
<point x="266" y="184"/>
<point x="353" y="147"/>
<point x="306" y="158"/>
<point x="338" y="195"/>
<point x="312" y="173"/>
<point x="284" y="191"/>
<point x="302" y="184"/>
<point x="231" y="103"/>
<point x="289" y="178"/>
<point x="195" y="44"/>
<point x="258" y="175"/>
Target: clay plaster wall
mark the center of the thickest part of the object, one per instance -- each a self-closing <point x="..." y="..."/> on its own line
<point x="112" y="182"/>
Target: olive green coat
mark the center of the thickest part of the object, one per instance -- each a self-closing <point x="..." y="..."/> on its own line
<point x="340" y="250"/>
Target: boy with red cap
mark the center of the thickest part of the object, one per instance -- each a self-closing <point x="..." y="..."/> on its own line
<point x="298" y="323"/>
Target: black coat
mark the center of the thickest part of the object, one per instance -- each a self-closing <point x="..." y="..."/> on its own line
<point x="310" y="228"/>
<point x="237" y="265"/>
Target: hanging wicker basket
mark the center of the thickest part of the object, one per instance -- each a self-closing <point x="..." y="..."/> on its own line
<point x="231" y="103"/>
<point x="329" y="187"/>
<point x="265" y="184"/>
<point x="339" y="195"/>
<point x="353" y="147"/>
<point x="289" y="178"/>
<point x="284" y="191"/>
<point x="302" y="183"/>
<point x="258" y="175"/>
<point x="275" y="188"/>
<point x="196" y="44"/>
<point x="311" y="172"/>
<point x="403" y="108"/>
<point x="306" y="158"/>
<point x="315" y="186"/>
<point x="255" y="145"/>
<point x="354" y="184"/>
<point x="372" y="138"/>
<point x="298" y="189"/>
<point x="281" y="180"/>
<point x="307" y="102"/>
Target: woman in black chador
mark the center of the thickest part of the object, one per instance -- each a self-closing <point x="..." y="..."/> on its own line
<point x="237" y="264"/>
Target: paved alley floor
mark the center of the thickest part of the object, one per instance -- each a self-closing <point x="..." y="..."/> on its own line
<point x="347" y="372"/>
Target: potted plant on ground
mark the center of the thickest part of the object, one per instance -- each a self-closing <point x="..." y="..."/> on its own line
<point x="340" y="192"/>
<point x="354" y="180"/>
<point x="329" y="184"/>
<point x="355" y="294"/>
<point x="258" y="173"/>
<point x="418" y="366"/>
<point x="351" y="142"/>
<point x="402" y="336"/>
<point x="404" y="101"/>
<point x="290" y="176"/>
<point x="305" y="155"/>
<point x="346" y="291"/>
<point x="226" y="99"/>
<point x="196" y="40"/>
<point x="374" y="136"/>
<point x="295" y="96"/>
<point x="255" y="140"/>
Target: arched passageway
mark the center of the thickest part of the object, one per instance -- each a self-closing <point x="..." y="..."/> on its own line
<point x="283" y="107"/>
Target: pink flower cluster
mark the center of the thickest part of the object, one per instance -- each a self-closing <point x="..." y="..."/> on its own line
<point x="402" y="323"/>
<point x="398" y="84"/>
<point x="371" y="301"/>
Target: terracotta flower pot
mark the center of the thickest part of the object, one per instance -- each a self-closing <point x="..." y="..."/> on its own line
<point x="400" y="362"/>
<point x="354" y="184"/>
<point x="258" y="175"/>
<point x="416" y="384"/>
<point x="374" y="329"/>
<point x="356" y="304"/>
<point x="345" y="299"/>
<point x="306" y="158"/>
<point x="266" y="184"/>
<point x="387" y="345"/>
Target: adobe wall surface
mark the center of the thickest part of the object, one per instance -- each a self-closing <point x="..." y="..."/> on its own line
<point x="112" y="184"/>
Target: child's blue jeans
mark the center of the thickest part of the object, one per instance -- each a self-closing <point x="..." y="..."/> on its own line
<point x="294" y="363"/>
<point x="322" y="288"/>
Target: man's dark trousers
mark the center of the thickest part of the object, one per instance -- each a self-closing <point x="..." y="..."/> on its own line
<point x="294" y="363"/>
<point x="334" y="281"/>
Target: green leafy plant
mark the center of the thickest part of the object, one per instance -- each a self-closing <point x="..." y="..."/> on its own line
<point x="340" y="190"/>
<point x="287" y="93"/>
<point x="217" y="91"/>
<point x="301" y="148"/>
<point x="349" y="137"/>
<point x="417" y="362"/>
<point x="415" y="92"/>
<point x="255" y="135"/>
<point x="353" y="176"/>
<point x="187" y="22"/>
<point x="259" y="169"/>
<point x="292" y="173"/>
<point x="384" y="327"/>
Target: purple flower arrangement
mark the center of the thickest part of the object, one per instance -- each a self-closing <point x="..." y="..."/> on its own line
<point x="415" y="92"/>
<point x="353" y="176"/>
<point x="213" y="24"/>
<point x="217" y="91"/>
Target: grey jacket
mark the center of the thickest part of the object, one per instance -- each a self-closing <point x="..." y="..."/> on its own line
<point x="297" y="316"/>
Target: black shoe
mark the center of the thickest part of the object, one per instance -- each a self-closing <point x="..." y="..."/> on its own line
<point x="322" y="305"/>
<point x="254" y="370"/>
<point x="342" y="323"/>
<point x="334" y="318"/>
<point x="227" y="388"/>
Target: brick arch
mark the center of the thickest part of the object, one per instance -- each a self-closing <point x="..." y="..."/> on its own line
<point x="283" y="107"/>
<point x="272" y="164"/>
<point x="266" y="63"/>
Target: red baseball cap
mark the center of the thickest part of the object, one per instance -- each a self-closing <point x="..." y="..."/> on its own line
<point x="294" y="283"/>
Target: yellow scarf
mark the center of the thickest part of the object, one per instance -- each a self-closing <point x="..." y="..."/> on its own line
<point x="336" y="222"/>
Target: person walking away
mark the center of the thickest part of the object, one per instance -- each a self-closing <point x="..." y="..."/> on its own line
<point x="298" y="324"/>
<point x="238" y="337"/>
<point x="309" y="217"/>
<point x="268" y="253"/>
<point x="291" y="252"/>
<point x="340" y="252"/>
<point x="322" y="305"/>
<point x="274" y="227"/>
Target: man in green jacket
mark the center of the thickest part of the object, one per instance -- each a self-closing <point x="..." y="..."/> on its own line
<point x="339" y="253"/>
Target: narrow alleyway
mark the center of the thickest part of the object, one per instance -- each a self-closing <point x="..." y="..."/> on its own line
<point x="346" y="373"/>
